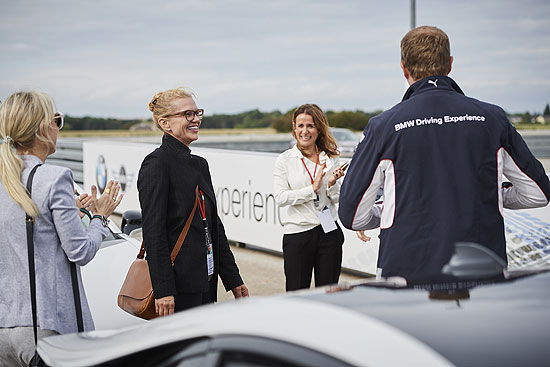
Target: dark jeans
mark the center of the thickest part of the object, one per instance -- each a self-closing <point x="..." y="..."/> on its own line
<point x="313" y="249"/>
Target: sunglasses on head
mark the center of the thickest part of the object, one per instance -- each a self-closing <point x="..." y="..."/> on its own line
<point x="58" y="119"/>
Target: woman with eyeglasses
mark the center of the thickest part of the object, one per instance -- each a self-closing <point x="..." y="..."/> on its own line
<point x="168" y="182"/>
<point x="29" y="127"/>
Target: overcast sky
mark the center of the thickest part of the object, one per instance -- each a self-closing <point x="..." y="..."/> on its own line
<point x="108" y="58"/>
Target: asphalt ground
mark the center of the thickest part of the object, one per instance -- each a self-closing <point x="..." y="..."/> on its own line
<point x="262" y="273"/>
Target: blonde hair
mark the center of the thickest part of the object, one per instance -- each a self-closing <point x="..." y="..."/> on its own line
<point x="325" y="140"/>
<point x="161" y="103"/>
<point x="426" y="51"/>
<point x="24" y="117"/>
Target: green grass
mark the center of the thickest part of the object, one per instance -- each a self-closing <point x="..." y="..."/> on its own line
<point x="119" y="133"/>
<point x="532" y="126"/>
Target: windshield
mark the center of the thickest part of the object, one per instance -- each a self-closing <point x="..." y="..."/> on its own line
<point x="344" y="135"/>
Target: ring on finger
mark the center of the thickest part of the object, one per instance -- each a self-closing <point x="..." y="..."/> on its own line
<point x="107" y="190"/>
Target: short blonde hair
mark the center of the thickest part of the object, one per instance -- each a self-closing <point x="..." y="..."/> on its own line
<point x="161" y="103"/>
<point x="24" y="117"/>
<point x="426" y="51"/>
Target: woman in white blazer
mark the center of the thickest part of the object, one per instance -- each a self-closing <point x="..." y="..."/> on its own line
<point x="29" y="127"/>
<point x="306" y="180"/>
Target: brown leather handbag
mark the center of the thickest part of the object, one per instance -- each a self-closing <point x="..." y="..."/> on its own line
<point x="136" y="295"/>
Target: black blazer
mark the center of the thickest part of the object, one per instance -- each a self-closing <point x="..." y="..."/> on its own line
<point x="166" y="184"/>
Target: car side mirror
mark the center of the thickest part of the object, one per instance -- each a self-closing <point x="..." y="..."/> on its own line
<point x="131" y="219"/>
<point x="473" y="261"/>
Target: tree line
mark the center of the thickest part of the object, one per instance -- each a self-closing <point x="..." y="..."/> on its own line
<point x="97" y="123"/>
<point x="281" y="122"/>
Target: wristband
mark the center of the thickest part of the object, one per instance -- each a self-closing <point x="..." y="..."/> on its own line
<point x="103" y="219"/>
<point x="88" y="214"/>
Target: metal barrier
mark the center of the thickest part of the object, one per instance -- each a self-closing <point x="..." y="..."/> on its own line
<point x="69" y="154"/>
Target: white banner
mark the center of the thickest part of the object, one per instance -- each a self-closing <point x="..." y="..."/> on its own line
<point x="243" y="183"/>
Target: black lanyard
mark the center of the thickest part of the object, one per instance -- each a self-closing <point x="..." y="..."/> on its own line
<point x="202" y="208"/>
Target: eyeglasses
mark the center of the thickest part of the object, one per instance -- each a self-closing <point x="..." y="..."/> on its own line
<point x="188" y="114"/>
<point x="58" y="119"/>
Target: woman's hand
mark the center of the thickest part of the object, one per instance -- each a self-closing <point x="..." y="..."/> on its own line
<point x="108" y="201"/>
<point x="336" y="174"/>
<point x="165" y="306"/>
<point x="83" y="201"/>
<point x="319" y="178"/>
<point x="240" y="291"/>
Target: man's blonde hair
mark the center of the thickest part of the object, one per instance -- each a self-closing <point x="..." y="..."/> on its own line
<point x="24" y="118"/>
<point x="426" y="51"/>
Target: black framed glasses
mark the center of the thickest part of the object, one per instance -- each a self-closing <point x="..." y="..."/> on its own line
<point x="188" y="114"/>
<point x="59" y="120"/>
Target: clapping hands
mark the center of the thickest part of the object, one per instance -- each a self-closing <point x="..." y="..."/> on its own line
<point x="106" y="204"/>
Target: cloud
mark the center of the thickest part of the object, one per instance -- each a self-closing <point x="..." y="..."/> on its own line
<point x="107" y="58"/>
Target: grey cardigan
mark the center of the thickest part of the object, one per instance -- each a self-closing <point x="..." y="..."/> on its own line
<point x="58" y="234"/>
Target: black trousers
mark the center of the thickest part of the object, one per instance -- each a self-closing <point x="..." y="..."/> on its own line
<point x="313" y="249"/>
<point x="186" y="301"/>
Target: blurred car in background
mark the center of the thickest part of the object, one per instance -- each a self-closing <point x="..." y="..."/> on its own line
<point x="475" y="314"/>
<point x="346" y="140"/>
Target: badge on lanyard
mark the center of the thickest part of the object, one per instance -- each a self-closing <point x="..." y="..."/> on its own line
<point x="208" y="238"/>
<point x="327" y="221"/>
<point x="316" y="200"/>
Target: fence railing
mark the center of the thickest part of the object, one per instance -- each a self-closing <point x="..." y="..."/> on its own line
<point x="69" y="154"/>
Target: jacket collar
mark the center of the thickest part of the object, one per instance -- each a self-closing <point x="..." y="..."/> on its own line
<point x="431" y="83"/>
<point x="295" y="153"/>
<point x="175" y="145"/>
<point x="31" y="160"/>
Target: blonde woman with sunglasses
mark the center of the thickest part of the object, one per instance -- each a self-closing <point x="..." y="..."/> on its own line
<point x="29" y="127"/>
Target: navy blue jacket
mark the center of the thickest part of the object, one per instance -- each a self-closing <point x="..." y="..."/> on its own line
<point x="440" y="157"/>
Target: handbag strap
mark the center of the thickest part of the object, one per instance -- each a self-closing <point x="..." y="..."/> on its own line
<point x="182" y="235"/>
<point x="29" y="221"/>
<point x="76" y="296"/>
<point x="30" y="250"/>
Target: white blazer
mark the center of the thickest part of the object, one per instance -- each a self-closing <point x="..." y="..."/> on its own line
<point x="293" y="188"/>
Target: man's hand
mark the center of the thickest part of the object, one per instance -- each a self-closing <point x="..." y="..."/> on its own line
<point x="165" y="306"/>
<point x="362" y="236"/>
<point x="240" y="291"/>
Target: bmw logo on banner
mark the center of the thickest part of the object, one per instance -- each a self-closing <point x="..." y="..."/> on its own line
<point x="101" y="174"/>
<point x="124" y="178"/>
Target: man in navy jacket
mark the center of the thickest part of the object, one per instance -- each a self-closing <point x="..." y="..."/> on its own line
<point x="441" y="158"/>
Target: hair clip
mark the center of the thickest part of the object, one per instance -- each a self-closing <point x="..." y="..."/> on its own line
<point x="7" y="140"/>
